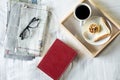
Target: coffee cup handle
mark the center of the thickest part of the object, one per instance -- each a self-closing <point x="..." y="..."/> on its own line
<point x="81" y="23"/>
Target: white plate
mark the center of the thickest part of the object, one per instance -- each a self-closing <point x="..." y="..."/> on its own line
<point x="95" y="19"/>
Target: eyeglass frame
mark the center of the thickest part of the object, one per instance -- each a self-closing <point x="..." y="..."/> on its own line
<point x="28" y="26"/>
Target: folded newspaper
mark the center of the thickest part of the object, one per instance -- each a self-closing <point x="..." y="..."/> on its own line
<point x="26" y="29"/>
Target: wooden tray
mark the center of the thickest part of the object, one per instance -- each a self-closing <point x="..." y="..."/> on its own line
<point x="72" y="27"/>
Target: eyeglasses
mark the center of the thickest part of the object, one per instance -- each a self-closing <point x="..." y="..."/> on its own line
<point x="32" y="24"/>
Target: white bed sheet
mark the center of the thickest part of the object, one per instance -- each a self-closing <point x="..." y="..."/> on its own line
<point x="104" y="67"/>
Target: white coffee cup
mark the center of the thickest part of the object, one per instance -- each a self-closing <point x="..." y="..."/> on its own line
<point x="82" y="12"/>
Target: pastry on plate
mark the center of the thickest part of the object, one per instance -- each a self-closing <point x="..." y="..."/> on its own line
<point x="95" y="30"/>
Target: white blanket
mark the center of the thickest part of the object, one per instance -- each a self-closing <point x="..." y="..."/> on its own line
<point x="104" y="67"/>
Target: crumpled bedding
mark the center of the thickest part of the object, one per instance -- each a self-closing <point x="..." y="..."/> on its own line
<point x="104" y="67"/>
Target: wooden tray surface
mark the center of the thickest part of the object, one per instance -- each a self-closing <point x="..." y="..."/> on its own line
<point x="72" y="27"/>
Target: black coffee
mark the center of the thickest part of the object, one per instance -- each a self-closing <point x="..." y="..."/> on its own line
<point x="82" y="12"/>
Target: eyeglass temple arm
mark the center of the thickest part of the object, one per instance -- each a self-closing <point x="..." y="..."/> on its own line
<point x="34" y="19"/>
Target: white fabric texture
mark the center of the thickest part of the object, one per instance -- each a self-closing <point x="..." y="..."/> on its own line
<point x="104" y="67"/>
<point x="3" y="20"/>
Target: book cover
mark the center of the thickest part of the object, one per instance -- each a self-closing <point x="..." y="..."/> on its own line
<point x="57" y="59"/>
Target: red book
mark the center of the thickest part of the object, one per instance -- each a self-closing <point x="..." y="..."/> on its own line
<point x="57" y="59"/>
